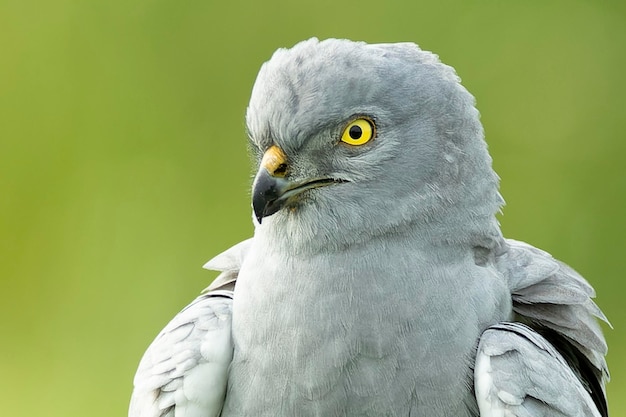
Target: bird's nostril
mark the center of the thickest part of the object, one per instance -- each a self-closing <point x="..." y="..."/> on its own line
<point x="280" y="170"/>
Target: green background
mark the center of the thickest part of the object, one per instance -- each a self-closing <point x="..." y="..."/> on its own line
<point x="123" y="163"/>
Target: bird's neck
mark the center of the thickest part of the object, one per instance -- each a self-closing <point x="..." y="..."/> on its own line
<point x="458" y="230"/>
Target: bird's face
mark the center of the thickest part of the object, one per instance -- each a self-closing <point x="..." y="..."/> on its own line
<point x="366" y="137"/>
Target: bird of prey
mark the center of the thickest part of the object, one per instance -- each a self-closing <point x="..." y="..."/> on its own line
<point x="377" y="282"/>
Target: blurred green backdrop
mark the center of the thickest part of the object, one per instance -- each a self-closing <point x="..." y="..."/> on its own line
<point x="123" y="163"/>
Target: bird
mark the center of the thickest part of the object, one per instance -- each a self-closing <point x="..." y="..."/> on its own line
<point x="377" y="281"/>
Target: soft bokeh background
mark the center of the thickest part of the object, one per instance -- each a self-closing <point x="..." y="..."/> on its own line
<point x="123" y="163"/>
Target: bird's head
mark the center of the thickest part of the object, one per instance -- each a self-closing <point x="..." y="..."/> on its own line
<point x="355" y="140"/>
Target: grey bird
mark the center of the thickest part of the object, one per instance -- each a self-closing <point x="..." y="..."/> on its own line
<point x="378" y="282"/>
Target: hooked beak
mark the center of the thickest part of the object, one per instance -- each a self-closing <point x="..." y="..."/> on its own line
<point x="271" y="190"/>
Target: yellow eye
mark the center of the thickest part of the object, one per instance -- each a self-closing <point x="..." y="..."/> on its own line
<point x="358" y="132"/>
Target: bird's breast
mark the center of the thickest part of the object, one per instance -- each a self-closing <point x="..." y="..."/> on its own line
<point x="347" y="334"/>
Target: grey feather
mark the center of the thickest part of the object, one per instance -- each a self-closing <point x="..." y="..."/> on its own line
<point x="195" y="344"/>
<point x="520" y="372"/>
<point x="228" y="262"/>
<point x="550" y="294"/>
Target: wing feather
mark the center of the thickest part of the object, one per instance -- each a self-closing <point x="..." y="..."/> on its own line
<point x="184" y="372"/>
<point x="556" y="302"/>
<point x="185" y="369"/>
<point x="519" y="373"/>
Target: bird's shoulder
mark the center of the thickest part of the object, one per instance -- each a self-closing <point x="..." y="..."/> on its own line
<point x="557" y="331"/>
<point x="185" y="369"/>
<point x="228" y="263"/>
<point x="519" y="373"/>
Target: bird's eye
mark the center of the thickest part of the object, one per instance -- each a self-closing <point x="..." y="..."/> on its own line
<point x="359" y="132"/>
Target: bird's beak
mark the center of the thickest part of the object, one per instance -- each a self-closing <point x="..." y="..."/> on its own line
<point x="272" y="187"/>
<point x="270" y="184"/>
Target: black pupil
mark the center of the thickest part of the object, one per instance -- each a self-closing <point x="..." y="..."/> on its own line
<point x="355" y="132"/>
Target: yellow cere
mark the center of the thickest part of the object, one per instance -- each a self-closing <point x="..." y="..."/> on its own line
<point x="358" y="132"/>
<point x="274" y="160"/>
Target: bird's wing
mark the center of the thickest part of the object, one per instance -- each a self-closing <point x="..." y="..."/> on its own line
<point x="556" y="302"/>
<point x="518" y="373"/>
<point x="184" y="372"/>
